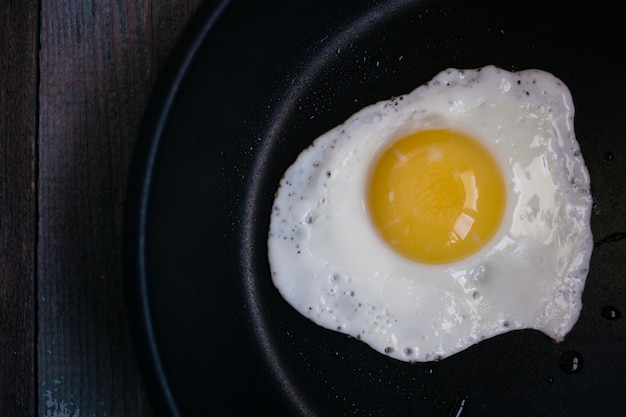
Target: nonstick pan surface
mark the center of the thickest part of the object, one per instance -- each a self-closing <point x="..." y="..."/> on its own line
<point x="250" y="85"/>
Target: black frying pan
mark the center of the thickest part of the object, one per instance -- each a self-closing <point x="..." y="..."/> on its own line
<point x="250" y="85"/>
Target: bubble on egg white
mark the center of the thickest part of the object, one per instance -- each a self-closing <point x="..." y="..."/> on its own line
<point x="329" y="262"/>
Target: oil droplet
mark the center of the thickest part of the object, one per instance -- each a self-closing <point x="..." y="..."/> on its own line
<point x="571" y="362"/>
<point x="608" y="155"/>
<point x="610" y="313"/>
<point x="595" y="208"/>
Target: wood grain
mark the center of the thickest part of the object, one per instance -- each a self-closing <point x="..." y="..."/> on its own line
<point x="99" y="61"/>
<point x="18" y="89"/>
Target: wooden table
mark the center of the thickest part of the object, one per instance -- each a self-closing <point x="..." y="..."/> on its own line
<point x="75" y="78"/>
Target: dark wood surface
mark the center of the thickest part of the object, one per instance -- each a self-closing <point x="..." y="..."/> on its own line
<point x="75" y="78"/>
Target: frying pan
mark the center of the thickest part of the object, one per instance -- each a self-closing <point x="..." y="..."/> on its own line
<point x="250" y="85"/>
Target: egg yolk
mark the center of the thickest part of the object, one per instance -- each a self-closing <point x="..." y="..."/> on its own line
<point x="436" y="196"/>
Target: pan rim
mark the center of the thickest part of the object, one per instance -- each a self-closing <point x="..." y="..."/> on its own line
<point x="134" y="251"/>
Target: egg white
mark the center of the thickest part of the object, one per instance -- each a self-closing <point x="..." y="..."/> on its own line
<point x="329" y="262"/>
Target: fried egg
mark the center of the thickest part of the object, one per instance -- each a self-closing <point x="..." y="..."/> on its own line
<point x="429" y="222"/>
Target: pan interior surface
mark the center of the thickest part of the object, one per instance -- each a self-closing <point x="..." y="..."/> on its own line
<point x="255" y="84"/>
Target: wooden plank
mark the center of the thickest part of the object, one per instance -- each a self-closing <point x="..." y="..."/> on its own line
<point x="18" y="89"/>
<point x="99" y="60"/>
